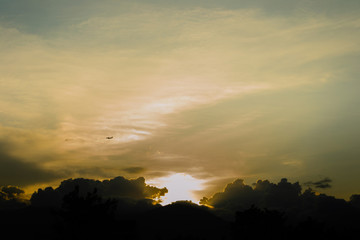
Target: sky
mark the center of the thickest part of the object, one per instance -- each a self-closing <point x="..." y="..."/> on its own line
<point x="193" y="93"/>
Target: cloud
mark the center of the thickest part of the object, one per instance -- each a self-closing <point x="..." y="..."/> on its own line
<point x="239" y="196"/>
<point x="15" y="171"/>
<point x="134" y="170"/>
<point x="285" y="197"/>
<point x="12" y="192"/>
<point x="324" y="183"/>
<point x="12" y="197"/>
<point x="118" y="188"/>
<point x="149" y="76"/>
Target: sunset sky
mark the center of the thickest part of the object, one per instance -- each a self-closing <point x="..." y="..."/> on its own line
<point x="194" y="93"/>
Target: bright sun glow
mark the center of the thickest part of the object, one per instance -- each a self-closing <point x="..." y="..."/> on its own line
<point x="180" y="186"/>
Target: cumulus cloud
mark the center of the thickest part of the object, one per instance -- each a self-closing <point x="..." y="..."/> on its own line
<point x="285" y="197"/>
<point x="239" y="196"/>
<point x="118" y="188"/>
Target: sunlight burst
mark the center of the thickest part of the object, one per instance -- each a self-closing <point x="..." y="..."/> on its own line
<point x="180" y="186"/>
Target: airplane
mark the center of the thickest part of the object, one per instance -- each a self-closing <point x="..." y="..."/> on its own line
<point x="110" y="137"/>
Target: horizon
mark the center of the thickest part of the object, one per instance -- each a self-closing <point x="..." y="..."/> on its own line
<point x="85" y="208"/>
<point x="182" y="188"/>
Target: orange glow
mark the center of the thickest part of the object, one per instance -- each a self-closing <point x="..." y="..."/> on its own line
<point x="180" y="186"/>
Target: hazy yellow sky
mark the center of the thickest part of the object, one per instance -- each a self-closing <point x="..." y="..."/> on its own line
<point x="212" y="90"/>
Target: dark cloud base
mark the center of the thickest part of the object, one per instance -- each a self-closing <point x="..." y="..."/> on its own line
<point x="15" y="171"/>
<point x="128" y="209"/>
<point x="116" y="188"/>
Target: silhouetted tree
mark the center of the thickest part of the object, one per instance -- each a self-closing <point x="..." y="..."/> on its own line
<point x="355" y="200"/>
<point x="92" y="217"/>
<point x="256" y="223"/>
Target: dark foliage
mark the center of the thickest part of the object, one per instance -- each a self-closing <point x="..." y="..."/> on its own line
<point x="91" y="217"/>
<point x="255" y="223"/>
<point x="278" y="211"/>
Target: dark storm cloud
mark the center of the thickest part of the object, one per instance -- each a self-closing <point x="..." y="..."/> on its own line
<point x="238" y="195"/>
<point x="11" y="192"/>
<point x="118" y="188"/>
<point x="283" y="196"/>
<point x="14" y="171"/>
<point x="134" y="170"/>
<point x="324" y="183"/>
<point x="11" y="197"/>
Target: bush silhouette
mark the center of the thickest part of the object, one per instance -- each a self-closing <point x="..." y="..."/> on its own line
<point x="256" y="223"/>
<point x="91" y="217"/>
